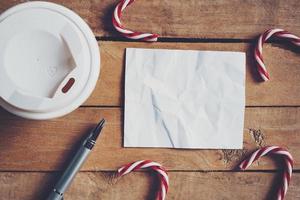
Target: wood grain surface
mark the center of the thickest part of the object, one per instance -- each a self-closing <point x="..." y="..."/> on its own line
<point x="32" y="152"/>
<point x="44" y="145"/>
<point x="141" y="185"/>
<point x="230" y="19"/>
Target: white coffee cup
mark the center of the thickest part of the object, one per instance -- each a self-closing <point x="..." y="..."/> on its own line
<point x="49" y="60"/>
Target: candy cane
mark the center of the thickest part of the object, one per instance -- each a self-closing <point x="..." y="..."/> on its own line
<point x="279" y="33"/>
<point x="148" y="164"/>
<point x="149" y="37"/>
<point x="287" y="170"/>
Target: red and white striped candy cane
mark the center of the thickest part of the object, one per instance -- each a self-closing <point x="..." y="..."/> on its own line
<point x="149" y="37"/>
<point x="288" y="168"/>
<point x="276" y="32"/>
<point x="148" y="164"/>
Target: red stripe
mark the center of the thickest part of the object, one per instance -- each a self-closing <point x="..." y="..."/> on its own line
<point x="133" y="34"/>
<point x="262" y="71"/>
<point x="280" y="33"/>
<point x="136" y="167"/>
<point x="162" y="178"/>
<point x="276" y="150"/>
<point x="295" y="41"/>
<point x="282" y="37"/>
<point x="244" y="164"/>
<point x="122" y="2"/>
<point x="141" y="164"/>
<point x="125" y="167"/>
<point x="158" y="168"/>
<point x="119" y="8"/>
<point x="139" y="33"/>
<point x="258" y="53"/>
<point x="164" y="182"/>
<point x="130" y="2"/>
<point x="115" y="23"/>
<point x="151" y="37"/>
<point x="260" y="152"/>
<point x="264" y="35"/>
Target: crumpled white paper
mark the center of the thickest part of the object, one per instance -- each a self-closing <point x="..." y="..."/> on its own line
<point x="184" y="99"/>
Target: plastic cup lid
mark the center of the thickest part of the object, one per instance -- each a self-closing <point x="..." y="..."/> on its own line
<point x="49" y="60"/>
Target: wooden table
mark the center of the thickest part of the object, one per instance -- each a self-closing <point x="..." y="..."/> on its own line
<point x="32" y="153"/>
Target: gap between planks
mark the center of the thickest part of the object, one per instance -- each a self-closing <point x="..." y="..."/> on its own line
<point x="198" y="40"/>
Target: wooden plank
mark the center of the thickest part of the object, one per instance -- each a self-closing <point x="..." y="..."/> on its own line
<point x="283" y="65"/>
<point x="209" y="19"/>
<point x="47" y="145"/>
<point x="184" y="185"/>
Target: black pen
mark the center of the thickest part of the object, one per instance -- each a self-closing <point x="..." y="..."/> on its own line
<point x="76" y="163"/>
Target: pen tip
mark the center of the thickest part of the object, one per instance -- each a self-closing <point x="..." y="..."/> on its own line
<point x="97" y="129"/>
<point x="100" y="124"/>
